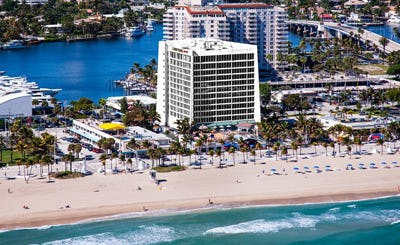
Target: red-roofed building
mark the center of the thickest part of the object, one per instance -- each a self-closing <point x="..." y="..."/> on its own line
<point x="327" y="17"/>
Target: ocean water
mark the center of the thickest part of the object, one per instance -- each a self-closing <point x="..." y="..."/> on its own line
<point x="374" y="221"/>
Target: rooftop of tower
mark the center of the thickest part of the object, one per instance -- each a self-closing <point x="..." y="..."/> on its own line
<point x="209" y="46"/>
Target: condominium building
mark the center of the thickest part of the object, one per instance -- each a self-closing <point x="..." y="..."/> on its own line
<point x="253" y="23"/>
<point x="208" y="81"/>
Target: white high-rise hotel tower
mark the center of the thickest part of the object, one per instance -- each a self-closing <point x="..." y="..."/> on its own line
<point x="207" y="81"/>
<point x="254" y="23"/>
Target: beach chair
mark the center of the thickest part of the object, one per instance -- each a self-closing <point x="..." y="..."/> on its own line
<point x="361" y="166"/>
<point x="307" y="169"/>
<point x="274" y="172"/>
<point x="317" y="170"/>
<point x="372" y="165"/>
<point x="297" y="170"/>
<point x="385" y="165"/>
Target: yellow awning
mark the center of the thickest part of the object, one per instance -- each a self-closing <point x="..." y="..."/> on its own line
<point x="111" y="126"/>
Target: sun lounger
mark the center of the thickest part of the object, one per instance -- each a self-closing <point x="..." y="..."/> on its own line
<point x="274" y="172"/>
<point x="372" y="165"/>
<point x="307" y="169"/>
<point x="362" y="166"/>
<point x="317" y="170"/>
<point x="297" y="170"/>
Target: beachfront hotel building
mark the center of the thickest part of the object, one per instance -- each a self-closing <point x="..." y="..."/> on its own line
<point x="254" y="23"/>
<point x="209" y="81"/>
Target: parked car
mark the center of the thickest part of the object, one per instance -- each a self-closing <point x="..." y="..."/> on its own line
<point x="97" y="150"/>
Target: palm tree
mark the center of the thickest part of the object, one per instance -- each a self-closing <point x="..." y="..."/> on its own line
<point x="44" y="105"/>
<point x="130" y="162"/>
<point x="68" y="158"/>
<point x="134" y="145"/>
<point x="259" y="147"/>
<point x="244" y="149"/>
<point x="384" y="42"/>
<point x="253" y="153"/>
<point x="113" y="156"/>
<point x="380" y="142"/>
<point x="285" y="152"/>
<point x="294" y="148"/>
<point x="276" y="148"/>
<point x="315" y="147"/>
<point x="232" y="151"/>
<point x="325" y="145"/>
<point x="122" y="159"/>
<point x="349" y="150"/>
<point x="211" y="153"/>
<point x="218" y="153"/>
<point x="332" y="144"/>
<point x="103" y="157"/>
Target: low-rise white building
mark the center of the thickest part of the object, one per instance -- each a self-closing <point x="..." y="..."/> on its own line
<point x="15" y="105"/>
<point x="115" y="103"/>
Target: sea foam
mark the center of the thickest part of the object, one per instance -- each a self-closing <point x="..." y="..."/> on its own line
<point x="266" y="226"/>
<point x="145" y="235"/>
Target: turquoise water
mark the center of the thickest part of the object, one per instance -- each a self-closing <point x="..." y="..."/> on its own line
<point x="369" y="222"/>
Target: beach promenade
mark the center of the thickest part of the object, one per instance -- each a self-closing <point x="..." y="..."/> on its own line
<point x="72" y="200"/>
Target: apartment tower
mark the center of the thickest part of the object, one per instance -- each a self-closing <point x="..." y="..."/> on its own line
<point x="254" y="23"/>
<point x="208" y="81"/>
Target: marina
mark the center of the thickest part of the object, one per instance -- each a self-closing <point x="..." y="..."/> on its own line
<point x="12" y="85"/>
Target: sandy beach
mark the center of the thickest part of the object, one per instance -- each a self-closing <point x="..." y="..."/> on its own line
<point x="72" y="200"/>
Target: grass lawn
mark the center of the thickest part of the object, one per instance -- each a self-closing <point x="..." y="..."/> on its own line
<point x="374" y="69"/>
<point x="7" y="156"/>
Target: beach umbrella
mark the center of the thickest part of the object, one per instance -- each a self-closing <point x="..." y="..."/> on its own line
<point x="394" y="164"/>
<point x="372" y="165"/>
<point x="316" y="167"/>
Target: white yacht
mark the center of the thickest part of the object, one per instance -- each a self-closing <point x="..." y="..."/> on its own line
<point x="9" y="85"/>
<point x="134" y="32"/>
<point x="13" y="44"/>
<point x="149" y="26"/>
<point x="394" y="19"/>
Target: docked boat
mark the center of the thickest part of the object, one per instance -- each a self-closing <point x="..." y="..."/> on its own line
<point x="9" y="85"/>
<point x="149" y="26"/>
<point x="394" y="19"/>
<point x="134" y="32"/>
<point x="13" y="44"/>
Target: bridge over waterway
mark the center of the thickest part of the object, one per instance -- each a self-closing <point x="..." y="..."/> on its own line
<point x="326" y="29"/>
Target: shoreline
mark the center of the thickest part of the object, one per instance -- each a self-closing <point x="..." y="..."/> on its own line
<point x="127" y="211"/>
